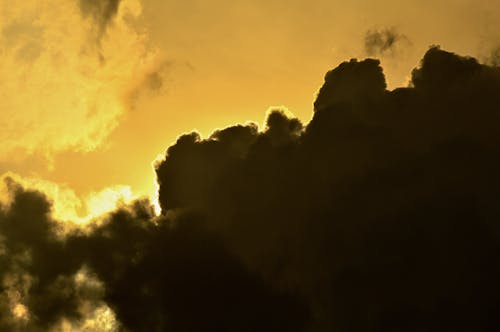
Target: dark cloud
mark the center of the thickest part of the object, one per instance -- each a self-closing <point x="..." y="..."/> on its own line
<point x="380" y="214"/>
<point x="36" y="268"/>
<point x="157" y="276"/>
<point x="383" y="41"/>
<point x="381" y="211"/>
<point x="183" y="279"/>
<point x="102" y="11"/>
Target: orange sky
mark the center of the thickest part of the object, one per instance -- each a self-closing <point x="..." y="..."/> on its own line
<point x="90" y="109"/>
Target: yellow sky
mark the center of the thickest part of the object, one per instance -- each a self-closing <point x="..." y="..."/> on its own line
<point x="92" y="109"/>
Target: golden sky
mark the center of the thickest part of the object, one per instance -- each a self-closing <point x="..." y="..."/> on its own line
<point x="93" y="92"/>
<point x="89" y="103"/>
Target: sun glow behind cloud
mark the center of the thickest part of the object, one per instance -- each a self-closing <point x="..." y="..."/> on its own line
<point x="63" y="82"/>
<point x="68" y="206"/>
<point x="87" y="102"/>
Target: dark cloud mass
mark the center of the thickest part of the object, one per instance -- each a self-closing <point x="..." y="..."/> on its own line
<point x="380" y="214"/>
<point x="383" y="41"/>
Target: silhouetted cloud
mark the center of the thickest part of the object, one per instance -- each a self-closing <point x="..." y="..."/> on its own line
<point x="36" y="268"/>
<point x="383" y="41"/>
<point x="380" y="214"/>
<point x="155" y="276"/>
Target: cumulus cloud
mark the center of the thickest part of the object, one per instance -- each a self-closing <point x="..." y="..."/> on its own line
<point x="154" y="276"/>
<point x="59" y="90"/>
<point x="380" y="214"/>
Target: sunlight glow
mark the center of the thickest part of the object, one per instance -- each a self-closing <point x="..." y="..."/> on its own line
<point x="67" y="206"/>
<point x="20" y="312"/>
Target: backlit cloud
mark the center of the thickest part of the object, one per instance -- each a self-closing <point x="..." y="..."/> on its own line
<point x="380" y="214"/>
<point x="59" y="89"/>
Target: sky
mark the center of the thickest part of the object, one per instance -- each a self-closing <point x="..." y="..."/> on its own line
<point x="249" y="166"/>
<point x="89" y="103"/>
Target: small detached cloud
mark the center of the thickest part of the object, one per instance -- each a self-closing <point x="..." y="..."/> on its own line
<point x="386" y="41"/>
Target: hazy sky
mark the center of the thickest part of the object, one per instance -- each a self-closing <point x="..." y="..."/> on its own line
<point x="90" y="102"/>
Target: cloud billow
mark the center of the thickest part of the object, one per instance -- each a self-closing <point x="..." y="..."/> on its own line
<point x="380" y="214"/>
